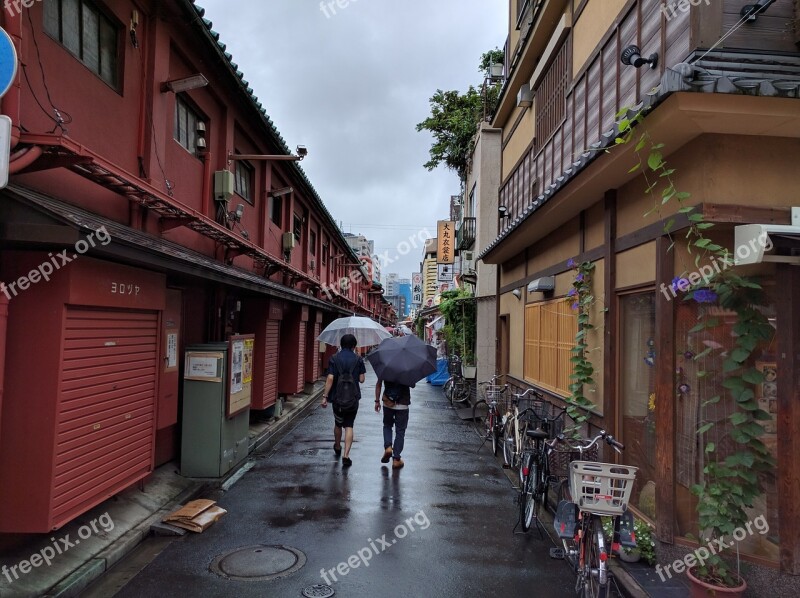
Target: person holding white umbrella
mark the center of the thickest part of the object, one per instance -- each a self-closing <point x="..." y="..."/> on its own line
<point x="343" y="370"/>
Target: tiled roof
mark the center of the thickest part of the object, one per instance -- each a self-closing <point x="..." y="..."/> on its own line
<point x="717" y="72"/>
<point x="220" y="47"/>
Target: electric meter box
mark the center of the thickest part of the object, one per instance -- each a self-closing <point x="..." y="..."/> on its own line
<point x="216" y="407"/>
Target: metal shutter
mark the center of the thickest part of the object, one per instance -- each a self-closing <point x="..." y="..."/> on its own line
<point x="271" y="342"/>
<point x="106" y="409"/>
<point x="301" y="352"/>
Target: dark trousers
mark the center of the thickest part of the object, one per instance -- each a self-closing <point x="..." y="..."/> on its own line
<point x="399" y="419"/>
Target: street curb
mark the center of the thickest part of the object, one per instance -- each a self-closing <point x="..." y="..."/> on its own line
<point x="625" y="581"/>
<point x="76" y="582"/>
<point x="85" y="575"/>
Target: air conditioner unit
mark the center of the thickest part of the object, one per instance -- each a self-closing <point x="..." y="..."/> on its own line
<point x="223" y="185"/>
<point x="758" y="243"/>
<point x="288" y="241"/>
<point x="525" y="96"/>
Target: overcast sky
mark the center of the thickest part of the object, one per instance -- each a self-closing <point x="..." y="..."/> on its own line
<point x="351" y="85"/>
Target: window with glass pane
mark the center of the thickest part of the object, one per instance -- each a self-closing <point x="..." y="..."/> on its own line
<point x="186" y="120"/>
<point x="298" y="228"/>
<point x="244" y="180"/>
<point x="638" y="355"/>
<point x="699" y="378"/>
<point x="276" y="210"/>
<point x="312" y="243"/>
<point x="86" y="32"/>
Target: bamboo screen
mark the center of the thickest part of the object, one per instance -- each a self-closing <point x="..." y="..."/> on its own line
<point x="550" y="329"/>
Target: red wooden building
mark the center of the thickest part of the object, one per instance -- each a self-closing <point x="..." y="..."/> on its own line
<point x="152" y="204"/>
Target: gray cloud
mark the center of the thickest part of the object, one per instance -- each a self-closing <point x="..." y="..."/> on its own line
<point x="352" y="87"/>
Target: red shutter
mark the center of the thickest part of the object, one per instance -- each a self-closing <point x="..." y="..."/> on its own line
<point x="106" y="408"/>
<point x="301" y="351"/>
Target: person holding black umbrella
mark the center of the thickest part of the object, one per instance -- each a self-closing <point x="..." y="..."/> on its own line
<point x="399" y="364"/>
<point x="396" y="402"/>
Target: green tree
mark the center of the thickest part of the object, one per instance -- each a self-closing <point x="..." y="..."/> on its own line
<point x="454" y="119"/>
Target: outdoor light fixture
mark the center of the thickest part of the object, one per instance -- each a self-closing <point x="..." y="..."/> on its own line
<point x="184" y="84"/>
<point x="301" y="150"/>
<point x="282" y="191"/>
<point x="503" y="212"/>
<point x="632" y="55"/>
<point x="517" y="293"/>
<point x="751" y="11"/>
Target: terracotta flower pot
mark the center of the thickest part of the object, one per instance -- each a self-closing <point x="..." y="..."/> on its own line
<point x="701" y="589"/>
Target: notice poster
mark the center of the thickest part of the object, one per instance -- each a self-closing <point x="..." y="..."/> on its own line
<point x="203" y="366"/>
<point x="237" y="361"/>
<point x="247" y="368"/>
<point x="172" y="350"/>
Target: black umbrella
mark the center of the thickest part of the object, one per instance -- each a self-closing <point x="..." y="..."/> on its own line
<point x="405" y="360"/>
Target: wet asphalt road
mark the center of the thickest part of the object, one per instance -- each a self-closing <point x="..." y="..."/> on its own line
<point x="458" y="542"/>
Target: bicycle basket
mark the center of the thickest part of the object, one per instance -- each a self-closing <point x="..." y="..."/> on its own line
<point x="454" y="365"/>
<point x="601" y="488"/>
<point x="494" y="392"/>
<point x="558" y="460"/>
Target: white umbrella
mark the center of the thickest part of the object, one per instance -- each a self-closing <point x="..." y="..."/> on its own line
<point x="367" y="331"/>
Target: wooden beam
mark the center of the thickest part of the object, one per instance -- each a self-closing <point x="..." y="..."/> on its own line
<point x="611" y="316"/>
<point x="665" y="396"/>
<point x="588" y="256"/>
<point x="789" y="416"/>
<point x="718" y="212"/>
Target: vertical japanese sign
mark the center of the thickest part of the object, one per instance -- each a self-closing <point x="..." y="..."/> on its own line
<point x="446" y="237"/>
<point x="416" y="288"/>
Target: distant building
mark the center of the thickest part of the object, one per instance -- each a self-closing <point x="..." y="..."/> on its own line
<point x="404" y="290"/>
<point x="429" y="272"/>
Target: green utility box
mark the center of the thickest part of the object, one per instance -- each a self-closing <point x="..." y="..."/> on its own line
<point x="216" y="407"/>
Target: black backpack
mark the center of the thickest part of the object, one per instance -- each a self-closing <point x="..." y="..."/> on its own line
<point x="346" y="397"/>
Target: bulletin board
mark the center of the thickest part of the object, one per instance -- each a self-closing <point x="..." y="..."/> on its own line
<point x="240" y="373"/>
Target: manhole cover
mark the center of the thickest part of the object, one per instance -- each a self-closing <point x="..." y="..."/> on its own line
<point x="258" y="563"/>
<point x="435" y="405"/>
<point x="318" y="591"/>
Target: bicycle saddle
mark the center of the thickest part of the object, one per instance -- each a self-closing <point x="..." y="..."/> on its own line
<point x="537" y="434"/>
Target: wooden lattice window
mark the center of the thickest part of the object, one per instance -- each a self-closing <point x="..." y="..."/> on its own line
<point x="551" y="96"/>
<point x="550" y="329"/>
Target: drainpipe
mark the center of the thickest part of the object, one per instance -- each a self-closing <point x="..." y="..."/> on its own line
<point x="3" y="328"/>
<point x="206" y="205"/>
<point x="24" y="158"/>
<point x="10" y="103"/>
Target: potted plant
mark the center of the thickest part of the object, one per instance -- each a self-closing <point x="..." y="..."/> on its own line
<point x="468" y="367"/>
<point x="645" y="545"/>
<point x="492" y="63"/>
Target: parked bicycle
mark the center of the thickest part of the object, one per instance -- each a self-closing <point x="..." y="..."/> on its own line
<point x="457" y="388"/>
<point x="594" y="490"/>
<point x="548" y="423"/>
<point x="515" y="424"/>
<point x="486" y="412"/>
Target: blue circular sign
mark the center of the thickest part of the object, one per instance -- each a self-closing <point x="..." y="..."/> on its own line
<point x="8" y="62"/>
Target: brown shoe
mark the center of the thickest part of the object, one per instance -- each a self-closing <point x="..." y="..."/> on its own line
<point x="387" y="454"/>
<point x="397" y="463"/>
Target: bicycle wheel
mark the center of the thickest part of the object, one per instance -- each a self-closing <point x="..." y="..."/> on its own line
<point x="460" y="391"/>
<point x="508" y="443"/>
<point x="595" y="576"/>
<point x="527" y="506"/>
<point x="491" y="427"/>
<point x="448" y="390"/>
<point x="480" y="412"/>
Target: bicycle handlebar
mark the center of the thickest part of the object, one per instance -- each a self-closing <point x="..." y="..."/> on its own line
<point x="585" y="445"/>
<point x="518" y="396"/>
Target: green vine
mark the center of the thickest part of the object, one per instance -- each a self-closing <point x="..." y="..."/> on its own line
<point x="460" y="313"/>
<point x="578" y="405"/>
<point x="732" y="485"/>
